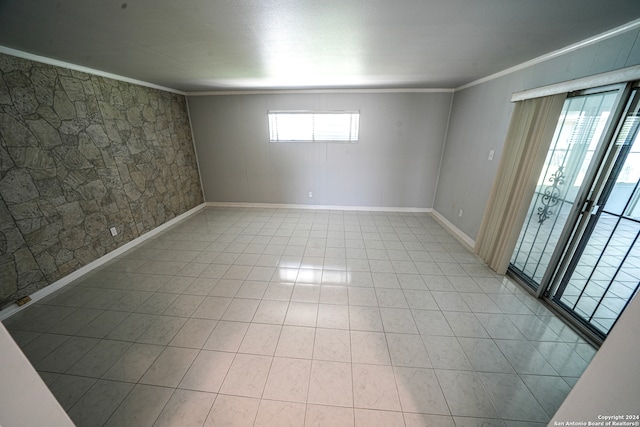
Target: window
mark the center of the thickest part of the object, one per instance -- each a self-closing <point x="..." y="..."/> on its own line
<point x="316" y="126"/>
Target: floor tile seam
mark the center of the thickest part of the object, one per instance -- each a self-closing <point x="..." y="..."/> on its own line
<point x="450" y="336"/>
<point x="514" y="368"/>
<point x="69" y="337"/>
<point x="463" y="417"/>
<point x="206" y="417"/>
<point x="548" y="360"/>
<point x="446" y="401"/>
<point x="181" y="378"/>
<point x="105" y="338"/>
<point x="164" y="347"/>
<point x="131" y="391"/>
<point x="130" y="344"/>
<point x="503" y="417"/>
<point x="580" y="355"/>
<point x="102" y="377"/>
<point x="353" y="385"/>
<point x="60" y="377"/>
<point x="114" y="409"/>
<point x="520" y="376"/>
<point x="457" y="369"/>
<point x="43" y="313"/>
<point x="424" y="345"/>
<point x="306" y="399"/>
<point x="276" y="346"/>
<point x="486" y="391"/>
<point x="477" y="322"/>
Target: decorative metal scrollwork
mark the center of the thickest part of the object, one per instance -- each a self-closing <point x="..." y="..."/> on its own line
<point x="551" y="195"/>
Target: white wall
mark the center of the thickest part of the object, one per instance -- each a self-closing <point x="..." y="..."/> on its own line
<point x="24" y="398"/>
<point x="395" y="163"/>
<point x="480" y="118"/>
<point x="479" y="122"/>
<point x="611" y="383"/>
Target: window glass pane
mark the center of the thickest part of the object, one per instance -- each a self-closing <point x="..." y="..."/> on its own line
<point x="291" y="126"/>
<point x="335" y="127"/>
<point x="578" y="132"/>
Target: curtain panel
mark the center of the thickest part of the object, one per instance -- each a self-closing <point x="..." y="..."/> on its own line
<point x="528" y="139"/>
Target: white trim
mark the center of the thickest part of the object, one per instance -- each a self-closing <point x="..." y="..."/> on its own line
<point x="632" y="25"/>
<point x="571" y="48"/>
<point x="93" y="71"/>
<point x="307" y="91"/>
<point x="195" y="150"/>
<point x="612" y="77"/>
<point x="317" y="207"/>
<point x="462" y="237"/>
<point x="444" y="147"/>
<point x="58" y="284"/>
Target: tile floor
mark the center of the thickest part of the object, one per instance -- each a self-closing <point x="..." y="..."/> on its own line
<point x="286" y="317"/>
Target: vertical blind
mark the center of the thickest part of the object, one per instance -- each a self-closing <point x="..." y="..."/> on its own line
<point x="527" y="142"/>
<point x="305" y="126"/>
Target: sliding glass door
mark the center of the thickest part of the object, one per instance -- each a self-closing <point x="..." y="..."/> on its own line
<point x="578" y="135"/>
<point x="579" y="246"/>
<point x="604" y="272"/>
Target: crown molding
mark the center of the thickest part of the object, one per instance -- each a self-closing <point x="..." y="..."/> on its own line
<point x="308" y="91"/>
<point x="571" y="48"/>
<point x="92" y="71"/>
<point x="622" y="75"/>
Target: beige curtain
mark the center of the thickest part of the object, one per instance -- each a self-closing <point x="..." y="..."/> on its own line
<point x="528" y="138"/>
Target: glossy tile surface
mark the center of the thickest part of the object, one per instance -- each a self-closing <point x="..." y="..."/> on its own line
<point x="277" y="317"/>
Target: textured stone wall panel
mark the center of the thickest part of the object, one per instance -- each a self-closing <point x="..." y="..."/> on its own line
<point x="80" y="154"/>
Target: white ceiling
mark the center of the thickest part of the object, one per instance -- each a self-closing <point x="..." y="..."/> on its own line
<point x="204" y="45"/>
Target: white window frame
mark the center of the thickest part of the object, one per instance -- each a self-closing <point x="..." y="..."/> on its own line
<point x="312" y="128"/>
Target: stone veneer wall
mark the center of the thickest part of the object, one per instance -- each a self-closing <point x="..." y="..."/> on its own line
<point x="80" y="154"/>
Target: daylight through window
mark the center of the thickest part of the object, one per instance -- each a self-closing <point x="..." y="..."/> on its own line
<point x="306" y="126"/>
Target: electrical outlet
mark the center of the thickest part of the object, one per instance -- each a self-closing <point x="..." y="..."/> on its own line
<point x="113" y="231"/>
<point x="460" y="213"/>
<point x="491" y="154"/>
<point x="310" y="194"/>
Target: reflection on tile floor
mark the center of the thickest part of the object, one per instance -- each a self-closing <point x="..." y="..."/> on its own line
<point x="285" y="317"/>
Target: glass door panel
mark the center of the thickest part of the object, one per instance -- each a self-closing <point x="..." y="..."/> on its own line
<point x="577" y="138"/>
<point x="604" y="272"/>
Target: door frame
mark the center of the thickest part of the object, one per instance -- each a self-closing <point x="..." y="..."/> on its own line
<point x="579" y="215"/>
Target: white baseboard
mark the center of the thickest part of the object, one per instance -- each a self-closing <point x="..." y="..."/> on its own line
<point x="46" y="291"/>
<point x="461" y="236"/>
<point x="58" y="284"/>
<point x="317" y="207"/>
